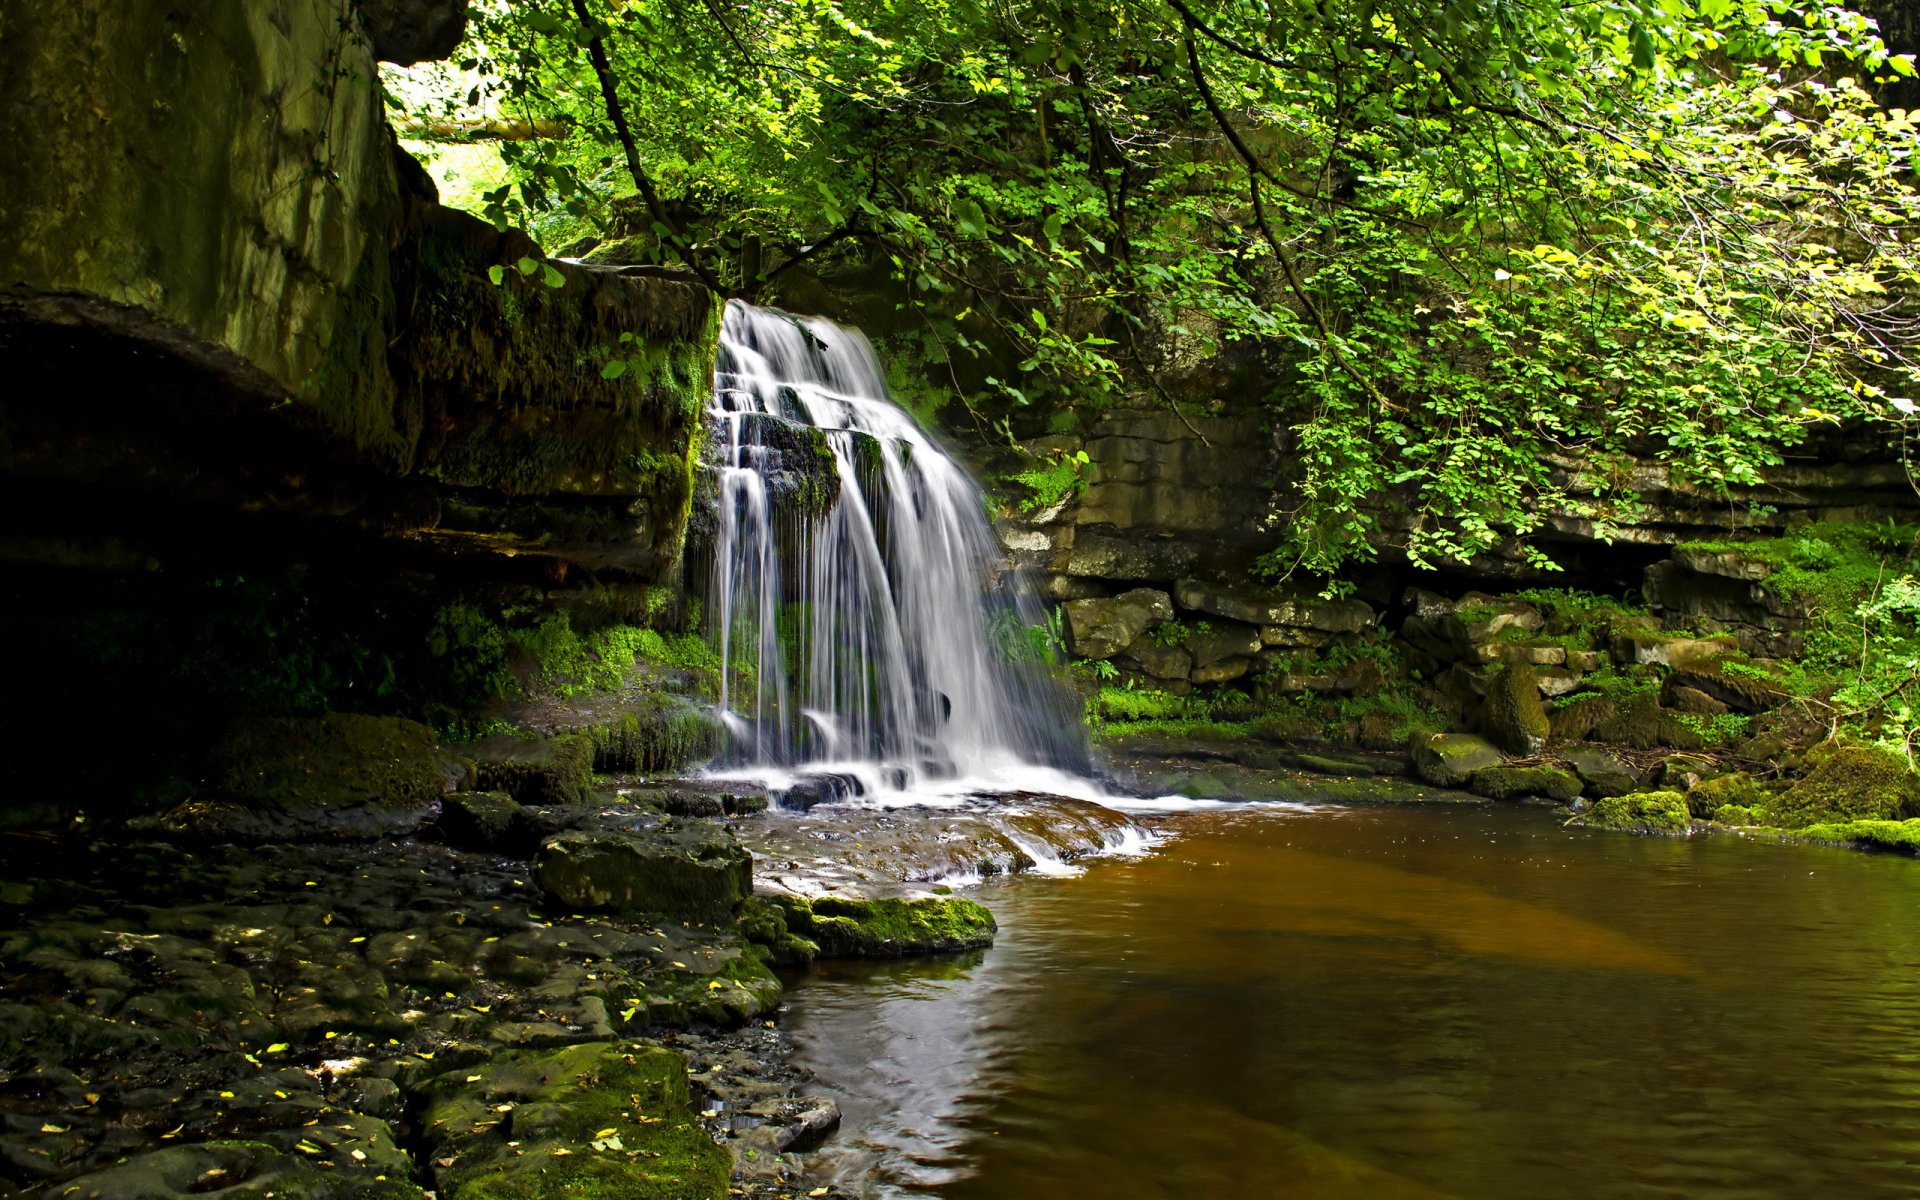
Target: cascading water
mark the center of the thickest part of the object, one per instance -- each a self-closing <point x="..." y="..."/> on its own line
<point x="871" y="639"/>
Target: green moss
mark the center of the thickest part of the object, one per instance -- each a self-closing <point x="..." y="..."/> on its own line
<point x="1640" y="722"/>
<point x="1645" y="812"/>
<point x="1514" y="718"/>
<point x="1851" y="783"/>
<point x="660" y="734"/>
<point x="1903" y="836"/>
<point x="336" y="761"/>
<point x="617" y="1111"/>
<point x="764" y="923"/>
<point x="555" y="770"/>
<point x="1736" y="814"/>
<point x="1739" y="790"/>
<point x="845" y="927"/>
<point x="1507" y="783"/>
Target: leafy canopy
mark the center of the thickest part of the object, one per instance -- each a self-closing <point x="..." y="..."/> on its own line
<point x="1470" y="256"/>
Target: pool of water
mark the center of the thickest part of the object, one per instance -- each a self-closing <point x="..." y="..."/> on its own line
<point x="1396" y="1002"/>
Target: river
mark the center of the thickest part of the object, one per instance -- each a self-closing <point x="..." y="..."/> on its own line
<point x="1389" y="1002"/>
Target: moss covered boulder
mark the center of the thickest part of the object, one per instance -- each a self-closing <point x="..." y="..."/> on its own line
<point x="1851" y="784"/>
<point x="662" y="733"/>
<point x="479" y="820"/>
<point x="1450" y="759"/>
<point x="1603" y="774"/>
<point x="1647" y="812"/>
<point x="1511" y="783"/>
<point x="1513" y="717"/>
<point x="1739" y="790"/>
<point x="605" y="1121"/>
<point x="1639" y="721"/>
<point x="889" y="928"/>
<point x="340" y="776"/>
<point x="1900" y="836"/>
<point x="555" y="770"/>
<point x="693" y="870"/>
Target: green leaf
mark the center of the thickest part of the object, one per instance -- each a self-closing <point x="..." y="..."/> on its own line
<point x="614" y="369"/>
<point x="550" y="276"/>
<point x="526" y="266"/>
<point x="497" y="273"/>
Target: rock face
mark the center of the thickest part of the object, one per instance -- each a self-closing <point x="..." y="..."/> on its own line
<point x="1103" y="628"/>
<point x="693" y="870"/>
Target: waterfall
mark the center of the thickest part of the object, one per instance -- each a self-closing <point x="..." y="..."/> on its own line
<point x="873" y="642"/>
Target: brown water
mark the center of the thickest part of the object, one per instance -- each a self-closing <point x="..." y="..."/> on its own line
<point x="1394" y="1003"/>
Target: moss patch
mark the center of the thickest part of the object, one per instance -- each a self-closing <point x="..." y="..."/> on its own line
<point x="555" y="770"/>
<point x="889" y="928"/>
<point x="1852" y="783"/>
<point x="337" y="761"/>
<point x="1647" y="812"/>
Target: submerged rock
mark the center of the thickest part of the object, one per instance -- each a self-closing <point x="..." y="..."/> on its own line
<point x="691" y="870"/>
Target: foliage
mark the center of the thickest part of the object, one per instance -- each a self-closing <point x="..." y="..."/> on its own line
<point x="1064" y="475"/>
<point x="1458" y="247"/>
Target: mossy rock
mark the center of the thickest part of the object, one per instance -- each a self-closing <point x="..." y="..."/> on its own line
<point x="1602" y="773"/>
<point x="1579" y="717"/>
<point x="478" y="820"/>
<point x="1737" y="814"/>
<point x="1513" y="718"/>
<point x="1903" y="836"/>
<point x="1639" y="721"/>
<point x="1646" y="812"/>
<point x="764" y="923"/>
<point x="604" y="1121"/>
<point x="555" y="770"/>
<point x="1741" y="790"/>
<point x="890" y="928"/>
<point x="693" y="870"/>
<point x="340" y="760"/>
<point x="1450" y="759"/>
<point x="663" y="734"/>
<point x="1509" y="783"/>
<point x="1741" y="692"/>
<point x="1851" y="783"/>
<point x="236" y="1170"/>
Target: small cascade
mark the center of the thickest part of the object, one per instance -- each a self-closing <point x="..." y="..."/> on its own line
<point x="875" y="646"/>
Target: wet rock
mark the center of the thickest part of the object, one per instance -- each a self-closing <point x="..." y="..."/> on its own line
<point x="1508" y="783"/>
<point x="1269" y="607"/>
<point x="600" y="1119"/>
<point x="1451" y="759"/>
<point x="1646" y="812"/>
<point x="1680" y="772"/>
<point x="844" y="927"/>
<point x="555" y="770"/>
<point x="1103" y="628"/>
<point x="1639" y="721"/>
<point x="1731" y="689"/>
<point x="238" y="1169"/>
<point x="1603" y="774"/>
<point x="655" y="734"/>
<point x="1513" y="717"/>
<point x="692" y="870"/>
<point x="479" y="820"/>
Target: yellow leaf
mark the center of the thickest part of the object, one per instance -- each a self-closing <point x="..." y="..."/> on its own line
<point x="605" y="1133"/>
<point x="50" y="1127"/>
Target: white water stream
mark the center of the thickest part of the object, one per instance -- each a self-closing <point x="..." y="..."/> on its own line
<point x="883" y="641"/>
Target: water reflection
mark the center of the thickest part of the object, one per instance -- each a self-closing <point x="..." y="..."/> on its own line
<point x="1397" y="1003"/>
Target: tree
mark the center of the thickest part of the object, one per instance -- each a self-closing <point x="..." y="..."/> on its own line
<point x="1475" y="253"/>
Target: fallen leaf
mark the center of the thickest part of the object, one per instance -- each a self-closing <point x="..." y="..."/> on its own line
<point x="50" y="1127"/>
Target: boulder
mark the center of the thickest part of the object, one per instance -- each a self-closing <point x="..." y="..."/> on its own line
<point x="1731" y="689"/>
<point x="1556" y="681"/>
<point x="555" y="770"/>
<point x="1103" y="628"/>
<point x="1222" y="671"/>
<point x="1603" y="774"/>
<point x="1539" y="654"/>
<point x="1742" y="791"/>
<point x="1512" y="716"/>
<point x="1648" y="812"/>
<point x="1588" y="660"/>
<point x="690" y="870"/>
<point x="1852" y="783"/>
<point x="1681" y="772"/>
<point x="1508" y="783"/>
<point x="242" y="1170"/>
<point x="478" y="820"/>
<point x="1693" y="701"/>
<point x="1639" y="721"/>
<point x="1451" y="759"/>
<point x="1267" y="606"/>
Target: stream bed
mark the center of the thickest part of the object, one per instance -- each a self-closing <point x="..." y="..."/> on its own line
<point x="1390" y="1002"/>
